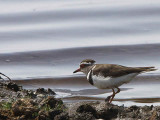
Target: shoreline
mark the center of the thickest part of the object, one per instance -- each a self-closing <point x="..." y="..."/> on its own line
<point x="41" y="104"/>
<point x="71" y="89"/>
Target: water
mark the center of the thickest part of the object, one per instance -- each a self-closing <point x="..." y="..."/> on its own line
<point x="47" y="39"/>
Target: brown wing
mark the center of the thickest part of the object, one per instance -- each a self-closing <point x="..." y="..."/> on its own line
<point x="114" y="70"/>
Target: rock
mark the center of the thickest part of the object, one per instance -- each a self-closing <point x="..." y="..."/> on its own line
<point x="24" y="107"/>
<point x="51" y="92"/>
<point x="62" y="116"/>
<point x="53" y="113"/>
<point x="87" y="109"/>
<point x="22" y="117"/>
<point x="134" y="107"/>
<point x="51" y="102"/>
<point x="41" y="115"/>
<point x="41" y="91"/>
<point x="109" y="113"/>
<point x="30" y="94"/>
<point x="3" y="117"/>
<point x="146" y="108"/>
<point x="82" y="116"/>
<point x="19" y="95"/>
<point x="132" y="115"/>
<point x="13" y="86"/>
<point x="41" y="95"/>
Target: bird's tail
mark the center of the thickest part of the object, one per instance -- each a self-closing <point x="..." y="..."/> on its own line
<point x="147" y="69"/>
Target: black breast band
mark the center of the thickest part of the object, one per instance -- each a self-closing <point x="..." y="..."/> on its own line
<point x="90" y="77"/>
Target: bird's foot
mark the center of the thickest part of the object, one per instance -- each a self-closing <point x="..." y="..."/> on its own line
<point x="107" y="100"/>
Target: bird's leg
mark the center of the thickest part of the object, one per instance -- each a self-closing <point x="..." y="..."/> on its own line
<point x="118" y="90"/>
<point x="110" y="97"/>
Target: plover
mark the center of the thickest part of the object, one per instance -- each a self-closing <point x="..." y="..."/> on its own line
<point x="109" y="76"/>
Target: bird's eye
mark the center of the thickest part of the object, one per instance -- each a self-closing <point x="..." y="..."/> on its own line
<point x="82" y="65"/>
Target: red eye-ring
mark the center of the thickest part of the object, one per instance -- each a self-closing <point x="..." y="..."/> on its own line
<point x="82" y="66"/>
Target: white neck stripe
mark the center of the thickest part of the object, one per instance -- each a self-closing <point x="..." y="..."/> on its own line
<point x="90" y="72"/>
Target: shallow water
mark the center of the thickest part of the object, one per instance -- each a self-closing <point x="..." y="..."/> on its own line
<point x="143" y="90"/>
<point x="47" y="40"/>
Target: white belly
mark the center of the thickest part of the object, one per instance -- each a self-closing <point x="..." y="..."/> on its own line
<point x="107" y="83"/>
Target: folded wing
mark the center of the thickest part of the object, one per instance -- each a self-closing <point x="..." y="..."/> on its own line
<point x="113" y="70"/>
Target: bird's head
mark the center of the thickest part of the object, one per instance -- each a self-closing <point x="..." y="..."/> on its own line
<point x="85" y="66"/>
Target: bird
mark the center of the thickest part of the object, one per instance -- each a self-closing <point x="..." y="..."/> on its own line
<point x="109" y="76"/>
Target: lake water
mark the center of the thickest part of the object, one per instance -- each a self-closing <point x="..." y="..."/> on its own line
<point x="46" y="40"/>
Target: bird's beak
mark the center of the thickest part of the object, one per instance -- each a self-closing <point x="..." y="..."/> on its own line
<point x="78" y="70"/>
